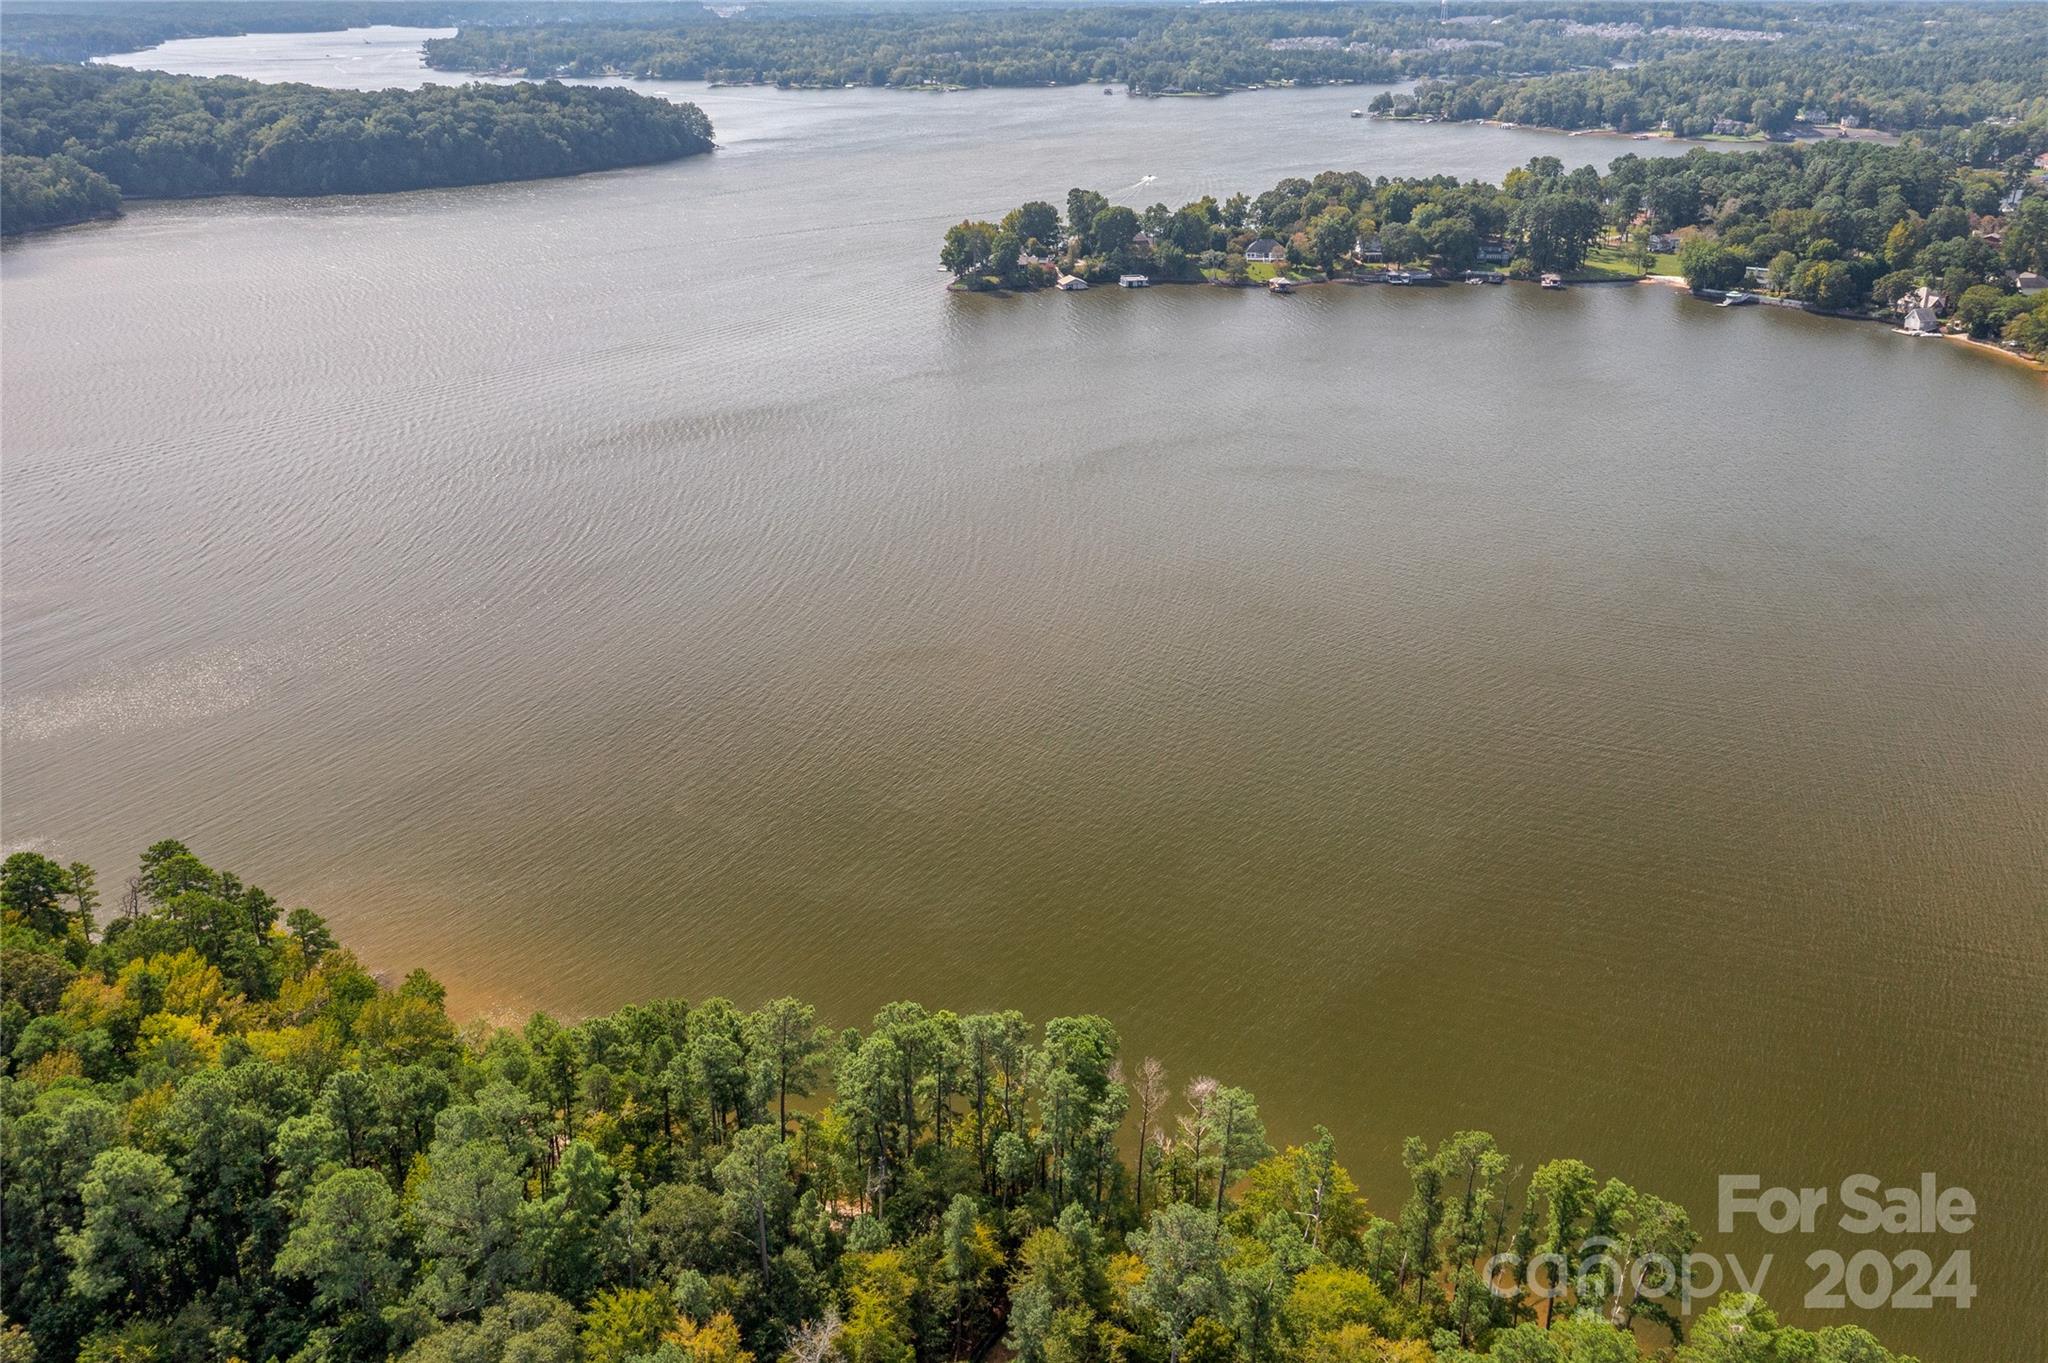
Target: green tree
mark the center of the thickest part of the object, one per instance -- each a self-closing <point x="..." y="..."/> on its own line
<point x="566" y="1232"/>
<point x="1985" y="309"/>
<point x="346" y="1242"/>
<point x="967" y="247"/>
<point x="32" y="890"/>
<point x="125" y="1250"/>
<point x="530" y="1327"/>
<point x="467" y="1212"/>
<point x="786" y="1035"/>
<point x="1083" y="207"/>
<point x="1182" y="1249"/>
<point x="1035" y="221"/>
<point x="755" y="1180"/>
<point x="1111" y="232"/>
<point x="1559" y="229"/>
<point x="1706" y="264"/>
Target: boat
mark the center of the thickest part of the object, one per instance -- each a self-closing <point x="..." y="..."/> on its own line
<point x="1551" y="281"/>
<point x="1133" y="281"/>
<point x="1738" y="299"/>
<point x="1107" y="90"/>
<point x="1278" y="285"/>
<point x="1358" y="113"/>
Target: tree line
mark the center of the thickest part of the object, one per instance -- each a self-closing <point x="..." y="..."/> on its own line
<point x="1548" y="220"/>
<point x="1898" y="67"/>
<point x="1845" y="226"/>
<point x="226" y="1140"/>
<point x="75" y="140"/>
<point x="1152" y="49"/>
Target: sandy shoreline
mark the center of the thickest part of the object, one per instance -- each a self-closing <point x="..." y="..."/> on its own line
<point x="2037" y="368"/>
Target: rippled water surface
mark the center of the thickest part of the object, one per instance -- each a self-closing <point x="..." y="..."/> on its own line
<point x="1599" y="718"/>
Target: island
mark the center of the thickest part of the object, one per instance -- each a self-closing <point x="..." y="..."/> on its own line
<point x="80" y="139"/>
<point x="1903" y="233"/>
<point x="227" y="1138"/>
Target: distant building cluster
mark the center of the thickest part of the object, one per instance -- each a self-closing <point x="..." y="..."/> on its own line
<point x="1697" y="32"/>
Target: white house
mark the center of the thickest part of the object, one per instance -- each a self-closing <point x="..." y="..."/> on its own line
<point x="1921" y="321"/>
<point x="1266" y="251"/>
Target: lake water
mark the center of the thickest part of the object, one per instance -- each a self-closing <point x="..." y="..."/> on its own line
<point x="1595" y="717"/>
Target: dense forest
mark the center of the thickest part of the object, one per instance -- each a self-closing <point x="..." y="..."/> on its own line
<point x="1840" y="226"/>
<point x="1154" y="49"/>
<point x="1898" y="67"/>
<point x="226" y="1141"/>
<point x="74" y="140"/>
<point x="1688" y="66"/>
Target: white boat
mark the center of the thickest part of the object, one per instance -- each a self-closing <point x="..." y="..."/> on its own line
<point x="1133" y="281"/>
<point x="1358" y="113"/>
<point x="1279" y="285"/>
<point x="1551" y="281"/>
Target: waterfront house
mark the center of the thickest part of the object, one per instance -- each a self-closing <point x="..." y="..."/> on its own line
<point x="1493" y="251"/>
<point x="1756" y="274"/>
<point x="1923" y="297"/>
<point x="1071" y="283"/>
<point x="1142" y="243"/>
<point x="1663" y="243"/>
<point x="1132" y="281"/>
<point x="1368" y="248"/>
<point x="1921" y="321"/>
<point x="1266" y="251"/>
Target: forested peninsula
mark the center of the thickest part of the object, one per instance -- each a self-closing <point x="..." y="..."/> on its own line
<point x="1848" y="228"/>
<point x="226" y="1140"/>
<point x="76" y="140"/>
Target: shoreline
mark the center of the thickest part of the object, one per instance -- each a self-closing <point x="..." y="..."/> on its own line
<point x="1871" y="135"/>
<point x="2038" y="368"/>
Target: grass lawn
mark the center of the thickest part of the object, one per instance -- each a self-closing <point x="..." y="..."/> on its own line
<point x="1604" y="262"/>
<point x="1259" y="271"/>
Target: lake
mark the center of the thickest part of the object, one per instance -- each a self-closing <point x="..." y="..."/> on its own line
<point x="1595" y="717"/>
